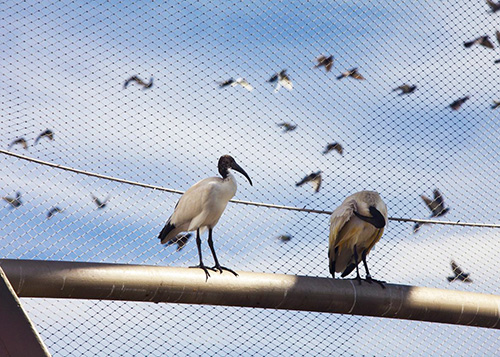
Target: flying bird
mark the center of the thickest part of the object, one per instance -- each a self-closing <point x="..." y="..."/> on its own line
<point x="314" y="179"/>
<point x="334" y="146"/>
<point x="139" y="82"/>
<point x="53" y="211"/>
<point x="234" y="82"/>
<point x="100" y="204"/>
<point x="282" y="80"/>
<point x="353" y="73"/>
<point x="355" y="227"/>
<point x="20" y="141"/>
<point x="285" y="237"/>
<point x="436" y="206"/>
<point x="180" y="239"/>
<point x="49" y="134"/>
<point x="458" y="103"/>
<point x="493" y="6"/>
<point x="496" y="104"/>
<point x="287" y="127"/>
<point x="201" y="207"/>
<point x="482" y="41"/>
<point x="458" y="274"/>
<point x="405" y="89"/>
<point x="324" y="61"/>
<point x="14" y="201"/>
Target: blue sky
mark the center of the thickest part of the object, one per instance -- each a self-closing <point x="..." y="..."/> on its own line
<point x="64" y="65"/>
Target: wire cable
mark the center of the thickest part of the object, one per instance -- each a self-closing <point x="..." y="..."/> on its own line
<point x="249" y="203"/>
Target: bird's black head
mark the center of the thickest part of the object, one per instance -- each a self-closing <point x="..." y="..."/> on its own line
<point x="377" y="220"/>
<point x="227" y="162"/>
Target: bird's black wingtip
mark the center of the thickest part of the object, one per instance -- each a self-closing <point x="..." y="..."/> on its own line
<point x="377" y="220"/>
<point x="165" y="231"/>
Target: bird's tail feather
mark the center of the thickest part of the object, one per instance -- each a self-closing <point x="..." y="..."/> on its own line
<point x="164" y="234"/>
<point x="348" y="270"/>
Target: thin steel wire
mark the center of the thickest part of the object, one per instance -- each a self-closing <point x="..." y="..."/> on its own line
<point x="249" y="203"/>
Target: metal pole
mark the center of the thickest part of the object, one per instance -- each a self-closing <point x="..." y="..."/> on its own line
<point x="18" y="335"/>
<point x="56" y="279"/>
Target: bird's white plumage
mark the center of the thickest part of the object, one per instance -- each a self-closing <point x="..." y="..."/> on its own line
<point x="202" y="205"/>
<point x="242" y="82"/>
<point x="283" y="81"/>
<point x="348" y="231"/>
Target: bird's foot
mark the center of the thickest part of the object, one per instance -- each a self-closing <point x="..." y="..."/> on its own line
<point x="205" y="269"/>
<point x="370" y="280"/>
<point x="358" y="279"/>
<point x="221" y="268"/>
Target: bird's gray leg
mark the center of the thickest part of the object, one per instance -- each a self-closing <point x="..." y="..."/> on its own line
<point x="358" y="277"/>
<point x="368" y="276"/>
<point x="217" y="265"/>
<point x="201" y="265"/>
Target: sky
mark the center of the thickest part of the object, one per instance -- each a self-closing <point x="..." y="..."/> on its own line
<point x="64" y="65"/>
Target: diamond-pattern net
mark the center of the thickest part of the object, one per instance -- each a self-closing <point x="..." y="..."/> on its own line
<point x="64" y="65"/>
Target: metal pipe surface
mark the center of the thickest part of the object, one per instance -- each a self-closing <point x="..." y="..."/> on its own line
<point x="18" y="335"/>
<point x="75" y="280"/>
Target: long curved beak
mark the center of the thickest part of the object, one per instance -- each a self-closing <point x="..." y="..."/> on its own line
<point x="378" y="220"/>
<point x="238" y="168"/>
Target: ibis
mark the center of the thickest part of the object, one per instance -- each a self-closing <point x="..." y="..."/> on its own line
<point x="355" y="227"/>
<point x="136" y="79"/>
<point x="201" y="207"/>
<point x="325" y="61"/>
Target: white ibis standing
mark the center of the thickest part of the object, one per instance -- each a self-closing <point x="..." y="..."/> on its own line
<point x="201" y="207"/>
<point x="355" y="227"/>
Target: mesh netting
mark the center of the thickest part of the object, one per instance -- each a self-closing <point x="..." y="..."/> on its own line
<point x="64" y="66"/>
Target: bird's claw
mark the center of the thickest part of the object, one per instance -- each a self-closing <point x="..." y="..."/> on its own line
<point x="221" y="268"/>
<point x="205" y="269"/>
<point x="370" y="280"/>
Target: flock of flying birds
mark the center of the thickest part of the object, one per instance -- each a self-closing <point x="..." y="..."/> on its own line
<point x="356" y="225"/>
<point x="15" y="201"/>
